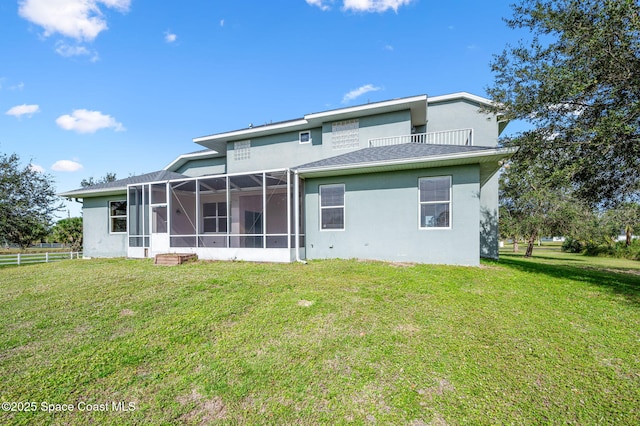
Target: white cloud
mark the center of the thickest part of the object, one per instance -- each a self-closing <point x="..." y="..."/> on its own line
<point x="66" y="50"/>
<point x="374" y="5"/>
<point x="356" y="93"/>
<point x="66" y="166"/>
<point x="20" y="110"/>
<point x="79" y="19"/>
<point x="322" y="4"/>
<point x="36" y="168"/>
<point x="170" y="37"/>
<point x="362" y="5"/>
<point x="222" y="22"/>
<point x="85" y="121"/>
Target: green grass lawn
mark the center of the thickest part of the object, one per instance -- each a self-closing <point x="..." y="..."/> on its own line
<point x="549" y="340"/>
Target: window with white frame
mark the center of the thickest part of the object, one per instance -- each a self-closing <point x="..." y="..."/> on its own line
<point x="345" y="134"/>
<point x="214" y="216"/>
<point x="332" y="207"/>
<point x="118" y="217"/>
<point x="305" y="137"/>
<point x="242" y="150"/>
<point x="435" y="202"/>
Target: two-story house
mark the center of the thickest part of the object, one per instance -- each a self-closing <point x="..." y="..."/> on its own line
<point x="411" y="179"/>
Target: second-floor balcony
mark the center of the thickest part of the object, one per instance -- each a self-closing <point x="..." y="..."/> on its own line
<point x="448" y="137"/>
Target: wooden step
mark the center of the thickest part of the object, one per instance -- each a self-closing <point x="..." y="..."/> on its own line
<point x="172" y="259"/>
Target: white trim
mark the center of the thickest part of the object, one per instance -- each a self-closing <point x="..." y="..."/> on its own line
<point x="111" y="217"/>
<point x="343" y="206"/>
<point x="480" y="155"/>
<point x="217" y="218"/>
<point x="104" y="192"/>
<point x="450" y="202"/>
<point x="278" y="255"/>
<point x="300" y="137"/>
<point x="184" y="158"/>
<point x="314" y="119"/>
<point x="460" y="95"/>
<point x="366" y="107"/>
<point x="251" y="130"/>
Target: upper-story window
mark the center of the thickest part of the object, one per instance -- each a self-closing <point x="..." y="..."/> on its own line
<point x="305" y="137"/>
<point x="118" y="216"/>
<point x="242" y="150"/>
<point x="345" y="134"/>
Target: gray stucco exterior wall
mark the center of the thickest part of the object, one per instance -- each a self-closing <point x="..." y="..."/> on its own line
<point x="210" y="166"/>
<point x="285" y="150"/>
<point x="98" y="241"/>
<point x="382" y="219"/>
<point x="489" y="235"/>
<point x="463" y="114"/>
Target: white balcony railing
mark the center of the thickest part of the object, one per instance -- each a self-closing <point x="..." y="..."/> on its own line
<point x="448" y="137"/>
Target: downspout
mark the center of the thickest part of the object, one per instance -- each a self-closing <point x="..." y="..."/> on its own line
<point x="296" y="215"/>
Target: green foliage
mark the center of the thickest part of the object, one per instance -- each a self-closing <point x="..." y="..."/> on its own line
<point x="577" y="80"/>
<point x="27" y="202"/>
<point x="536" y="200"/>
<point x="619" y="249"/>
<point x="571" y="245"/>
<point x="109" y="177"/>
<point x="69" y="232"/>
<point x="627" y="217"/>
<point x="627" y="251"/>
<point x="596" y="233"/>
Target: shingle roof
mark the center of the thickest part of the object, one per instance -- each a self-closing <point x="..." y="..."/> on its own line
<point x="160" y="175"/>
<point x="392" y="153"/>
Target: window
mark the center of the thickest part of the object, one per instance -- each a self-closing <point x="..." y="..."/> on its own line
<point x="345" y="134"/>
<point x="118" y="216"/>
<point x="332" y="207"/>
<point x="214" y="216"/>
<point x="242" y="150"/>
<point x="435" y="202"/>
<point x="305" y="137"/>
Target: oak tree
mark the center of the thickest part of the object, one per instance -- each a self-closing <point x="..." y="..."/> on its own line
<point x="576" y="79"/>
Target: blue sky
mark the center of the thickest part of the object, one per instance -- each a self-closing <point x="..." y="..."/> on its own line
<point x="95" y="86"/>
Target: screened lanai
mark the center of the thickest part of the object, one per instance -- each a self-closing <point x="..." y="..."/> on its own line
<point x="245" y="216"/>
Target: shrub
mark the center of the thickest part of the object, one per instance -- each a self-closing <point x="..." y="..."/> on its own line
<point x="572" y="245"/>
<point x="631" y="251"/>
<point x="594" y="249"/>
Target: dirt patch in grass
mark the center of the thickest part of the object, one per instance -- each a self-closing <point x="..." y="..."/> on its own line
<point x="206" y="411"/>
<point x="397" y="264"/>
<point x="440" y="388"/>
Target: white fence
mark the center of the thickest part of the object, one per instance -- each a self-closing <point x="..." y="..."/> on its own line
<point x="27" y="259"/>
<point x="448" y="137"/>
